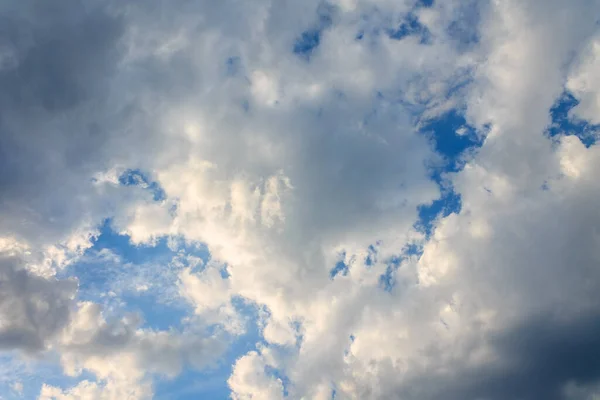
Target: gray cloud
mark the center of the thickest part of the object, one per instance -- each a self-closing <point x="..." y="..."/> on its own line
<point x="58" y="59"/>
<point x="537" y="359"/>
<point x="33" y="309"/>
<point x="545" y="353"/>
<point x="63" y="54"/>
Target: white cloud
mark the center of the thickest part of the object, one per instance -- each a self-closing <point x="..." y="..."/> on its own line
<point x="249" y="379"/>
<point x="86" y="390"/>
<point x="123" y="357"/>
<point x="584" y="81"/>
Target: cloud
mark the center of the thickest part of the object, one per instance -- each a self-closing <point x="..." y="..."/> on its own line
<point x="91" y="390"/>
<point x="123" y="357"/>
<point x="33" y="309"/>
<point x="249" y="379"/>
<point x="288" y="138"/>
<point x="40" y="314"/>
<point x="52" y="134"/>
<point x="583" y="81"/>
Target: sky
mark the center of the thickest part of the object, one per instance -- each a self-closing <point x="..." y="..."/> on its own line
<point x="304" y="200"/>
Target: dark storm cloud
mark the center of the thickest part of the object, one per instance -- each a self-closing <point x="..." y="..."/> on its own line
<point x="545" y="354"/>
<point x="536" y="359"/>
<point x="56" y="61"/>
<point x="58" y="54"/>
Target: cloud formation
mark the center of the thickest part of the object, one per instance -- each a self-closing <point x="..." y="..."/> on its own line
<point x="270" y="166"/>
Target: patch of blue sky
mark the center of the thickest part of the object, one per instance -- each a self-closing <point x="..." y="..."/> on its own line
<point x="129" y="278"/>
<point x="425" y="3"/>
<point x="308" y="41"/>
<point x="410" y="26"/>
<point x="136" y="177"/>
<point x="121" y="245"/>
<point x="212" y="382"/>
<point x="54" y="377"/>
<point x="451" y="137"/>
<point x="448" y="203"/>
<point x="565" y="123"/>
<point x="387" y="280"/>
<point x="16" y="370"/>
<point x="191" y="385"/>
<point x="156" y="314"/>
<point x="371" y="257"/>
<point x="340" y="268"/>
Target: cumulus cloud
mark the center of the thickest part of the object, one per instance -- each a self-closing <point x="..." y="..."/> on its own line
<point x="40" y="314"/>
<point x="249" y="379"/>
<point x="285" y="137"/>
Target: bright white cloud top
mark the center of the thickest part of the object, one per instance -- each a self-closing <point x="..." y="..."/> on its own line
<point x="343" y="199"/>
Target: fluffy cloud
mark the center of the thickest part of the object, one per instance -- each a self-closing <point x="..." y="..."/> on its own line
<point x="285" y="137"/>
<point x="122" y="356"/>
<point x="40" y="314"/>
<point x="249" y="380"/>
